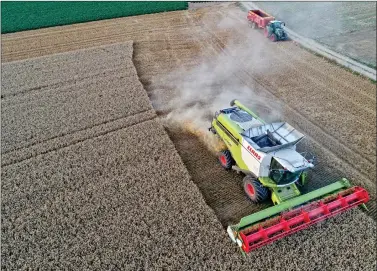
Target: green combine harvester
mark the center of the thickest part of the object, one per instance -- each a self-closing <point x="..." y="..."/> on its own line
<point x="266" y="154"/>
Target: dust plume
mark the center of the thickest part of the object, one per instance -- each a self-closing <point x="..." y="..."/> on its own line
<point x="229" y="49"/>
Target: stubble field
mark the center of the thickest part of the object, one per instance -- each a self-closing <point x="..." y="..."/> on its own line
<point x="212" y="55"/>
<point x="348" y="28"/>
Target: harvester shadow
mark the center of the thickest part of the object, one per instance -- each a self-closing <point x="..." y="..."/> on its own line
<point x="222" y="190"/>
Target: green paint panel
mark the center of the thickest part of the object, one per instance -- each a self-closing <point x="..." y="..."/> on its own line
<point x="259" y="216"/>
<point x="27" y="15"/>
<point x="267" y="182"/>
<point x="281" y="194"/>
<point x="233" y="143"/>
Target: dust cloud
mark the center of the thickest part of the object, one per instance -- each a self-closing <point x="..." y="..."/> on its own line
<point x="210" y="86"/>
<point x="312" y="19"/>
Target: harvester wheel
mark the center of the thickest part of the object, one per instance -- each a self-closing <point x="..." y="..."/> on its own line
<point x="226" y="159"/>
<point x="273" y="38"/>
<point x="254" y="189"/>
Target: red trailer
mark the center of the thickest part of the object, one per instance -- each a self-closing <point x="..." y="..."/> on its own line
<point x="258" y="18"/>
<point x="272" y="29"/>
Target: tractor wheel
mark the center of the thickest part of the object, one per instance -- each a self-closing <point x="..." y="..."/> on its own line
<point x="273" y="38"/>
<point x="253" y="25"/>
<point x="254" y="189"/>
<point x="226" y="159"/>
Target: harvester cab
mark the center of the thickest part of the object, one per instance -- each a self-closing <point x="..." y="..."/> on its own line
<point x="275" y="30"/>
<point x="266" y="154"/>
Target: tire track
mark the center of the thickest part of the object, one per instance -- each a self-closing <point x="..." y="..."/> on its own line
<point x="341" y="84"/>
<point x="321" y="176"/>
<point x="366" y="170"/>
<point x="71" y="46"/>
<point x="368" y="105"/>
<point x="73" y="138"/>
<point x="23" y="96"/>
<point x="146" y="37"/>
<point x="233" y="205"/>
<point x="290" y="51"/>
<point x="136" y="33"/>
<point x="230" y="204"/>
<point x="351" y="152"/>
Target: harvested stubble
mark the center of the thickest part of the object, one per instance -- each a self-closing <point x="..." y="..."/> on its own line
<point x="180" y="250"/>
<point x="347" y="27"/>
<point x="125" y="201"/>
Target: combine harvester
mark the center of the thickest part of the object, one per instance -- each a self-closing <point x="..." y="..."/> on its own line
<point x="266" y="154"/>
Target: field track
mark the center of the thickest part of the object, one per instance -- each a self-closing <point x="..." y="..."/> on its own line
<point x="333" y="107"/>
<point x="93" y="189"/>
<point x="348" y="28"/>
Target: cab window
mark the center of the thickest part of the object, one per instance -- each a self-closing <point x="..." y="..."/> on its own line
<point x="280" y="175"/>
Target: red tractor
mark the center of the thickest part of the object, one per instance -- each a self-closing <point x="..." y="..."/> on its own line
<point x="273" y="29"/>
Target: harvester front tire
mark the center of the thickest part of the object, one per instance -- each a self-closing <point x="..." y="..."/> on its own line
<point x="254" y="189"/>
<point x="226" y="159"/>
